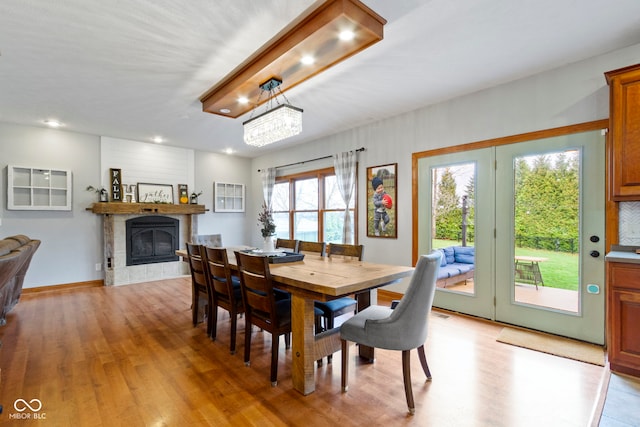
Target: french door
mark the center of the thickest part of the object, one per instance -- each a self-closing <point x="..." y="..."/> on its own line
<point x="534" y="214"/>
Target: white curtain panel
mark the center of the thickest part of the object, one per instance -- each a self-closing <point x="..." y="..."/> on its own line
<point x="345" y="167"/>
<point x="268" y="181"/>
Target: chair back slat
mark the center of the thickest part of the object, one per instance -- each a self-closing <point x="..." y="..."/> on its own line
<point x="197" y="267"/>
<point x="219" y="270"/>
<point x="257" y="287"/>
<point x="287" y="244"/>
<point x="346" y="251"/>
<point x="312" y="247"/>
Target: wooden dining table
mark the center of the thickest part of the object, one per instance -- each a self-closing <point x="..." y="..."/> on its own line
<point x="317" y="278"/>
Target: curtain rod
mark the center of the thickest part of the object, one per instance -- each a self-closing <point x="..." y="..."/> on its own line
<point x="312" y="160"/>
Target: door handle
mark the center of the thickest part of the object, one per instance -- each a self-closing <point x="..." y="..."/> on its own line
<point x="594" y="254"/>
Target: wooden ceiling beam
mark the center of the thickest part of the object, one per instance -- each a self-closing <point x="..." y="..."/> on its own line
<point x="313" y="33"/>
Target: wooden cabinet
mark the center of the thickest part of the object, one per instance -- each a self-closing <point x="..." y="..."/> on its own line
<point x="624" y="132"/>
<point x="623" y="317"/>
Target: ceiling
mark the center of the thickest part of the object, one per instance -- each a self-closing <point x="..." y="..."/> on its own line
<point x="137" y="69"/>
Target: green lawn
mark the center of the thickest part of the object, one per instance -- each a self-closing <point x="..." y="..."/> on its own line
<point x="559" y="271"/>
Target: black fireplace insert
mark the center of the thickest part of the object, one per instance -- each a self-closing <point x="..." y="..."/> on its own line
<point x="152" y="239"/>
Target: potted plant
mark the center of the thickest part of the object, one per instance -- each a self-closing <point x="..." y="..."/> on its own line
<point x="268" y="227"/>
<point x="194" y="198"/>
<point x="100" y="191"/>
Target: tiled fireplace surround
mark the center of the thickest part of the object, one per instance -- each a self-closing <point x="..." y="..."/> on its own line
<point x="122" y="274"/>
<point x="115" y="252"/>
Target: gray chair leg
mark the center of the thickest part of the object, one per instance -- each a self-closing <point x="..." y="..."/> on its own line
<point x="406" y="373"/>
<point x="423" y="362"/>
<point x="345" y="365"/>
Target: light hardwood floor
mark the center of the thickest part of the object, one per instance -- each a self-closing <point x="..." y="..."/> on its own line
<point x="129" y="356"/>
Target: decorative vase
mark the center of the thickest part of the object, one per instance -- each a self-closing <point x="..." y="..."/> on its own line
<point x="104" y="196"/>
<point x="269" y="244"/>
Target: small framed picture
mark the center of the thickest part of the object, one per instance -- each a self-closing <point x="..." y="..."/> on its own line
<point x="183" y="194"/>
<point x="155" y="193"/>
<point x="381" y="201"/>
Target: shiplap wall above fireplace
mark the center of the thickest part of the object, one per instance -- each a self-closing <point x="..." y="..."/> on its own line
<point x="146" y="163"/>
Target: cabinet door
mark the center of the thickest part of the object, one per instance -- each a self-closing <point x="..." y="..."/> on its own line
<point x="625" y="132"/>
<point x="624" y="318"/>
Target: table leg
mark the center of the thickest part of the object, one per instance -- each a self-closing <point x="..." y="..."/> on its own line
<point x="364" y="301"/>
<point x="303" y="344"/>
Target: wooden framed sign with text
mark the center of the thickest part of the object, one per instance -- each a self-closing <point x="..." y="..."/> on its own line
<point x="116" y="184"/>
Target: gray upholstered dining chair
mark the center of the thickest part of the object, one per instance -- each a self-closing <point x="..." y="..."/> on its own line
<point x="403" y="328"/>
<point x="210" y="240"/>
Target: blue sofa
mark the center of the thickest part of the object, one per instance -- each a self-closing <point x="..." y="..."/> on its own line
<point x="457" y="265"/>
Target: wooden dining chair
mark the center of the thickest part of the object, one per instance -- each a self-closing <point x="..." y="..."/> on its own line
<point x="287" y="244"/>
<point x="262" y="308"/>
<point x="403" y="328"/>
<point x="319" y="248"/>
<point x="339" y="306"/>
<point x="225" y="289"/>
<point x="199" y="285"/>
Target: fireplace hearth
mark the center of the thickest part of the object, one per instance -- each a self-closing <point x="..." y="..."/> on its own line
<point x="151" y="239"/>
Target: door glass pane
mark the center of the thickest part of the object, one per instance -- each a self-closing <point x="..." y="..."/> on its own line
<point x="546" y="221"/>
<point x="453" y="225"/>
<point x="305" y="226"/>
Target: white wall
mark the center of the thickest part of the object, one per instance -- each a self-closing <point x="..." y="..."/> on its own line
<point x="146" y="163"/>
<point x="572" y="94"/>
<point x="210" y="168"/>
<point x="71" y="241"/>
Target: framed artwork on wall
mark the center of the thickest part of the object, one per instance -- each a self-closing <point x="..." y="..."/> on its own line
<point x="155" y="193"/>
<point x="381" y="197"/>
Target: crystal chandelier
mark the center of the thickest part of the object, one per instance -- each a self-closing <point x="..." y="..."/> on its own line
<point x="276" y="123"/>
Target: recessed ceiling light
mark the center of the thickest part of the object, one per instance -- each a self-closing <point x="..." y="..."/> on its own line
<point x="229" y="151"/>
<point x="243" y="100"/>
<point x="52" y="123"/>
<point x="225" y="110"/>
<point x="347" y="35"/>
<point x="157" y="139"/>
<point x="308" y="60"/>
